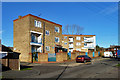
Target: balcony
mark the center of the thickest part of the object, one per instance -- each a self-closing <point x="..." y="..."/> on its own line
<point x="36" y="39"/>
<point x="88" y="40"/>
<point x="70" y="40"/>
<point x="35" y="43"/>
<point x="89" y="46"/>
<point x="70" y="45"/>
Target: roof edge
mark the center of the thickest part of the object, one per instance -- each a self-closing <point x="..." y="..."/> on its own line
<point x="38" y="18"/>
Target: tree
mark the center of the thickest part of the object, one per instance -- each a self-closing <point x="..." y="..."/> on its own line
<point x="72" y="29"/>
<point x="97" y="48"/>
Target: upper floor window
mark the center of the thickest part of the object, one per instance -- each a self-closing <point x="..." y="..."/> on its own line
<point x="47" y="48"/>
<point x="47" y="32"/>
<point x="65" y="37"/>
<point x="38" y="24"/>
<point x="56" y="39"/>
<point x="85" y="44"/>
<point x="78" y="38"/>
<point x="65" y="43"/>
<point x="78" y="49"/>
<point x="57" y="29"/>
<point x="78" y="43"/>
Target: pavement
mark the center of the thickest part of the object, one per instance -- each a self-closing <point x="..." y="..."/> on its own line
<point x="99" y="68"/>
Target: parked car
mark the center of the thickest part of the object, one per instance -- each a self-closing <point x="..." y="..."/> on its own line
<point x="108" y="54"/>
<point x="118" y="54"/>
<point x="83" y="58"/>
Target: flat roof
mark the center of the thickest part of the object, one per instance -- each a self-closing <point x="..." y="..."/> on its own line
<point x="77" y="35"/>
<point x="38" y="18"/>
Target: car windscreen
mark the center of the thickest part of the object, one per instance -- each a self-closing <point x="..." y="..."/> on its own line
<point x="81" y="56"/>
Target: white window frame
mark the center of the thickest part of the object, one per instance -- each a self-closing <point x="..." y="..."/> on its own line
<point x="65" y="43"/>
<point x="48" y="32"/>
<point x="58" y="29"/>
<point x="78" y="38"/>
<point x="65" y="37"/>
<point x="38" y="23"/>
<point x="48" y="48"/>
<point x="58" y="38"/>
<point x="78" y="43"/>
<point x="78" y="49"/>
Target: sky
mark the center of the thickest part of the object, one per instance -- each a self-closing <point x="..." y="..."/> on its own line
<point x="97" y="18"/>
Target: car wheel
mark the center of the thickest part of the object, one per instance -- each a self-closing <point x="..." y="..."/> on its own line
<point x="84" y="61"/>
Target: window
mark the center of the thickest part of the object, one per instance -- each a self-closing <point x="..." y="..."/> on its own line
<point x="47" y="48"/>
<point x="65" y="43"/>
<point x="57" y="29"/>
<point x="78" y="49"/>
<point x="37" y="24"/>
<point x="56" y="39"/>
<point x="78" y="43"/>
<point x="78" y="38"/>
<point x="47" y="32"/>
<point x="65" y="37"/>
<point x="85" y="44"/>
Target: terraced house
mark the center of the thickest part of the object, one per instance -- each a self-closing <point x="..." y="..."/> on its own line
<point x="81" y="43"/>
<point x="35" y="34"/>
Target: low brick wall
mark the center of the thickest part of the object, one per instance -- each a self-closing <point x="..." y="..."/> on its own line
<point x="42" y="57"/>
<point x="102" y="53"/>
<point x="73" y="56"/>
<point x="64" y="54"/>
<point x="90" y="54"/>
<point x="96" y="54"/>
<point x="59" y="57"/>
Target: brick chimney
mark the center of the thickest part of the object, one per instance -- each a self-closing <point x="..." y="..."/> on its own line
<point x="19" y="17"/>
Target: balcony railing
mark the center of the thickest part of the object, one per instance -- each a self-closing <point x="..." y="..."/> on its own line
<point x="70" y="46"/>
<point x="89" y="41"/>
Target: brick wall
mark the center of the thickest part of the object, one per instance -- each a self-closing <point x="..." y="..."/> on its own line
<point x="42" y="57"/>
<point x="59" y="57"/>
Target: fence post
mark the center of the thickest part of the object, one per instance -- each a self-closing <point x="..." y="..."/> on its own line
<point x="93" y="54"/>
<point x="86" y="53"/>
<point x="98" y="53"/>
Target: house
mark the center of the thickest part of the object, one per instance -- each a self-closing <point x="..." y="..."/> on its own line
<point x="35" y="34"/>
<point x="81" y="43"/>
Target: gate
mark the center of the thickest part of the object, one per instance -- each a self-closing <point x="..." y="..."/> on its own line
<point x="69" y="56"/>
<point x="34" y="56"/>
<point x="51" y="57"/>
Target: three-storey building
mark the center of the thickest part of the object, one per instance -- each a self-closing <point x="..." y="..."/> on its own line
<point x="35" y="34"/>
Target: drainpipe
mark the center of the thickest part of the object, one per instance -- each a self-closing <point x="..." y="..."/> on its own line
<point x="43" y="37"/>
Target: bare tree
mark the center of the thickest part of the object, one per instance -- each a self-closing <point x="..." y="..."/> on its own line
<point x="73" y="29"/>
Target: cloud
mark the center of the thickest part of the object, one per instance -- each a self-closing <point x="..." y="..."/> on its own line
<point x="109" y="10"/>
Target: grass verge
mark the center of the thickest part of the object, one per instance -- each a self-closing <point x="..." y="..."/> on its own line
<point x="118" y="65"/>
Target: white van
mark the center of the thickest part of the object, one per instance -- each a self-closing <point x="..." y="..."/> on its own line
<point x="108" y="54"/>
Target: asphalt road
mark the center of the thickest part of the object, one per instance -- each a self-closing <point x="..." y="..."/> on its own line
<point x="99" y="68"/>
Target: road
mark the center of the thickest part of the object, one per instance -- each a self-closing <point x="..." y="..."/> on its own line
<point x="99" y="68"/>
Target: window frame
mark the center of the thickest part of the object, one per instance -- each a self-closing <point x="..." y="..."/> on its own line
<point x="65" y="36"/>
<point x="47" y="34"/>
<point x="58" y="39"/>
<point x="47" y="47"/>
<point x="78" y="38"/>
<point x="78" y="43"/>
<point x="64" y="43"/>
<point x="58" y="29"/>
<point x="37" y="23"/>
